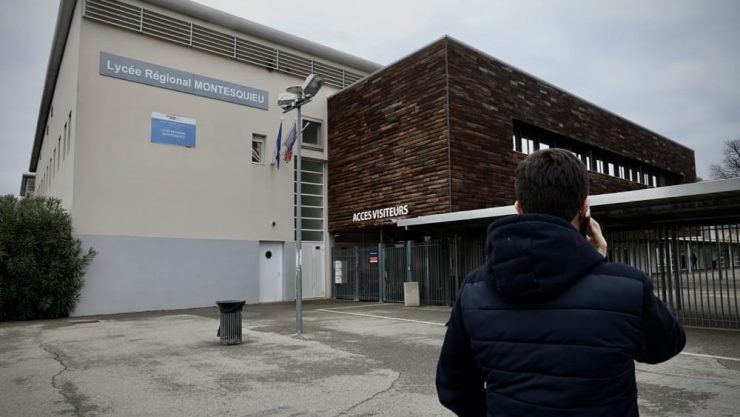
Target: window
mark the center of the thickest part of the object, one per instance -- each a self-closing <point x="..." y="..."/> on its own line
<point x="312" y="200"/>
<point x="527" y="146"/>
<point x="312" y="134"/>
<point x="59" y="146"/>
<point x="69" y="131"/>
<point x="51" y="111"/>
<point x="599" y="166"/>
<point x="527" y="138"/>
<point x="65" y="141"/>
<point x="258" y="148"/>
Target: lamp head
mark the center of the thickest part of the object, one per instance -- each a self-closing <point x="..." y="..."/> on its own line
<point x="286" y="99"/>
<point x="312" y="85"/>
<point x="295" y="89"/>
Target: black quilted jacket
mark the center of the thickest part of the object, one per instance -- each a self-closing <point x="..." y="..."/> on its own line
<point x="547" y="327"/>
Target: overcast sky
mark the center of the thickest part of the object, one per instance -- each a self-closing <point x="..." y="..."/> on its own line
<point x="672" y="66"/>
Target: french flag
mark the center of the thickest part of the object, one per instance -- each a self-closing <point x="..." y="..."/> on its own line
<point x="289" y="142"/>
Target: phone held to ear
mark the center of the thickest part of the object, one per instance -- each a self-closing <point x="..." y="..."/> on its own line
<point x="585" y="221"/>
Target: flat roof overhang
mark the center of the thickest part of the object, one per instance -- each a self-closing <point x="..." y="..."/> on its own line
<point x="708" y="202"/>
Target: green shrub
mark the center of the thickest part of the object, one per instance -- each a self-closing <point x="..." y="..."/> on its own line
<point x="41" y="263"/>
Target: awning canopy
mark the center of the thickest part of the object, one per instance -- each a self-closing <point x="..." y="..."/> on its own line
<point x="708" y="202"/>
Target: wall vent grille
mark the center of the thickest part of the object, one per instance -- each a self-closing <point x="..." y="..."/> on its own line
<point x="158" y="25"/>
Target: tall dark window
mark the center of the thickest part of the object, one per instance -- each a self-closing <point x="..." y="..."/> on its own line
<point x="528" y="138"/>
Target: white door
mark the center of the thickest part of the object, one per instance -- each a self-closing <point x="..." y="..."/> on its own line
<point x="313" y="270"/>
<point x="271" y="271"/>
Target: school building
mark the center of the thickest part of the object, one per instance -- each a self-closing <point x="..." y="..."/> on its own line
<point x="157" y="129"/>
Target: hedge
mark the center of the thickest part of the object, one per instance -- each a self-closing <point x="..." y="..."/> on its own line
<point x="41" y="263"/>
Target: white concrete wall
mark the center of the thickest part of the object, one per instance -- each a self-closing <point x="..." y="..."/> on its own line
<point x="145" y="274"/>
<point x="126" y="185"/>
<point x="178" y="227"/>
<point x="59" y="177"/>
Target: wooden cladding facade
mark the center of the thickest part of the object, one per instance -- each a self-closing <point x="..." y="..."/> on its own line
<point x="434" y="131"/>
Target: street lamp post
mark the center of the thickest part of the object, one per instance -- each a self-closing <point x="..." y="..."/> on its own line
<point x="295" y="98"/>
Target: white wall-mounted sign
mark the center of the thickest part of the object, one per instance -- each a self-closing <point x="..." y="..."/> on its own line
<point x="338" y="272"/>
<point x="382" y="213"/>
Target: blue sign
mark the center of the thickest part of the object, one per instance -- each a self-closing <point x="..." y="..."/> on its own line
<point x="156" y="75"/>
<point x="173" y="130"/>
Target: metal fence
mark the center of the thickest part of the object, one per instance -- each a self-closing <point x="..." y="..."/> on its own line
<point x="438" y="266"/>
<point x="695" y="270"/>
<point x="354" y="277"/>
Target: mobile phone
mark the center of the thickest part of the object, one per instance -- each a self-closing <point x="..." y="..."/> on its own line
<point x="585" y="222"/>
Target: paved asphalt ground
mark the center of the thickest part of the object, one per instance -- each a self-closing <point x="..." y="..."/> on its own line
<point x="354" y="359"/>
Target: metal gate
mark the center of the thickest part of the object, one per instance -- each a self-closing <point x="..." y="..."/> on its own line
<point x="438" y="266"/>
<point x="355" y="277"/>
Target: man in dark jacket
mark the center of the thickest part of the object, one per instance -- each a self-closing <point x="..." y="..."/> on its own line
<point x="548" y="327"/>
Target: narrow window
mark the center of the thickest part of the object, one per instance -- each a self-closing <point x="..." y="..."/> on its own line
<point x="69" y="131"/>
<point x="59" y="146"/>
<point x="65" y="141"/>
<point x="258" y="147"/>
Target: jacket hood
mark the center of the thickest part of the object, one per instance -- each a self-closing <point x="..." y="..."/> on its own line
<point x="533" y="257"/>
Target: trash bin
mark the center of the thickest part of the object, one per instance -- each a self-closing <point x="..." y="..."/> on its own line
<point x="230" y="326"/>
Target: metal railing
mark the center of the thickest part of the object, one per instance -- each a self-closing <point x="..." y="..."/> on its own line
<point x="695" y="270"/>
<point x="438" y="266"/>
<point x="354" y="277"/>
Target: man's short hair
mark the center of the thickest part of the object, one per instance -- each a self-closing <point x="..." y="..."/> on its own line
<point x="551" y="181"/>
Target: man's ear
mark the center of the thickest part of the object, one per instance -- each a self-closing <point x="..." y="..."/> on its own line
<point x="518" y="207"/>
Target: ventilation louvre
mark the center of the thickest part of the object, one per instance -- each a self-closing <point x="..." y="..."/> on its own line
<point x="158" y="25"/>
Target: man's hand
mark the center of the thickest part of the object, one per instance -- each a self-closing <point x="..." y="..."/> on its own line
<point x="595" y="237"/>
